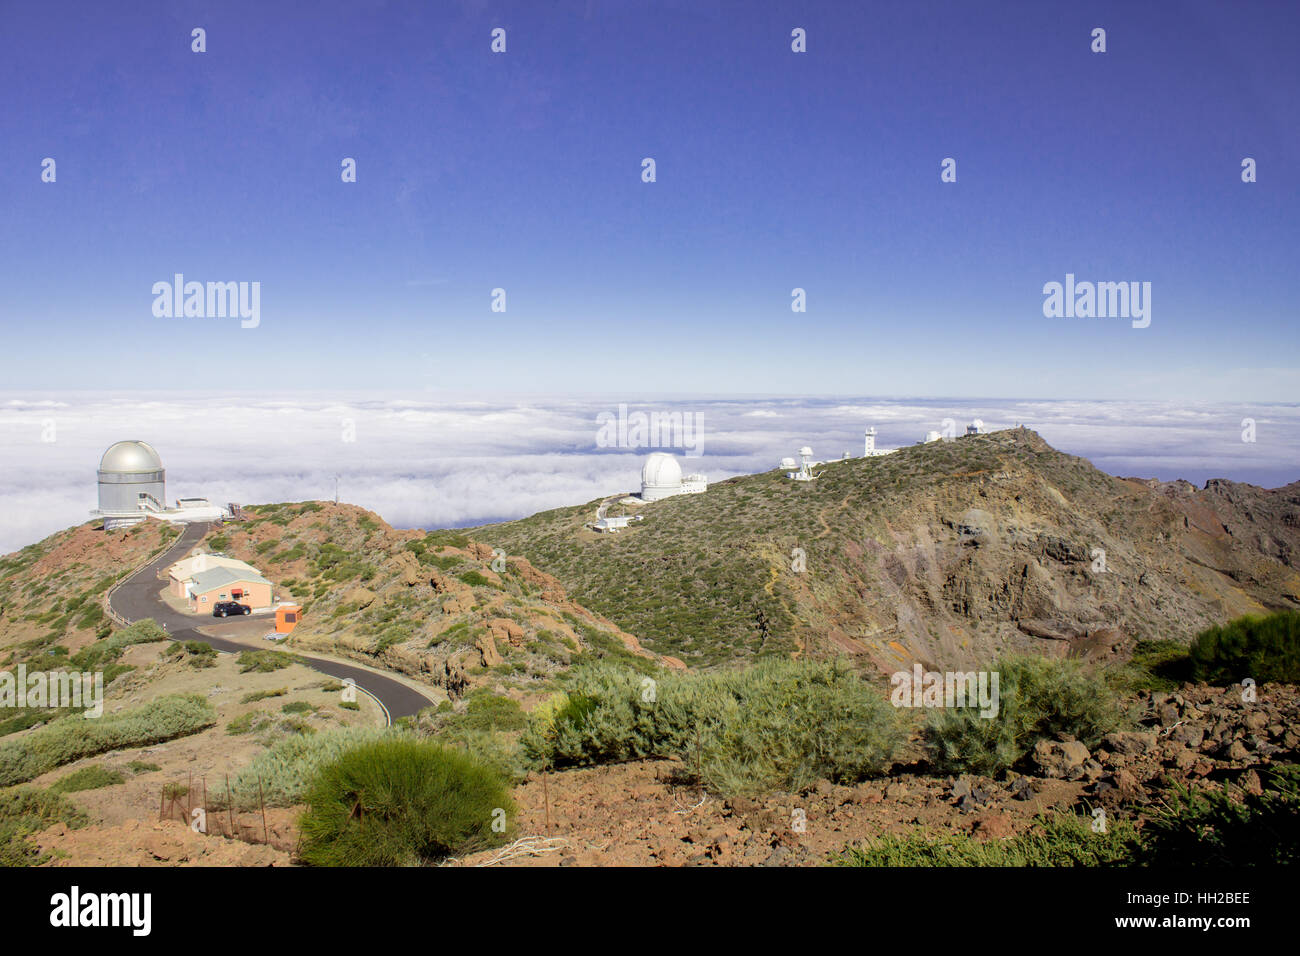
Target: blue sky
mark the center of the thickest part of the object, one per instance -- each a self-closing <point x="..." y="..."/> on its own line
<point x="775" y="170"/>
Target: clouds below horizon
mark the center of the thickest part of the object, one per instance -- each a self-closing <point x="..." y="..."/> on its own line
<point x="436" y="462"/>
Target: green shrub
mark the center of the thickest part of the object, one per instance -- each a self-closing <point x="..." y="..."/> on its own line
<point x="27" y="810"/>
<point x="285" y="769"/>
<point x="487" y="711"/>
<point x="1160" y="665"/>
<point x="401" y="802"/>
<point x="1230" y="827"/>
<point x="1266" y="648"/>
<point x="475" y="579"/>
<point x="142" y="766"/>
<point x="95" y="656"/>
<point x="90" y="617"/>
<point x="200" y="654"/>
<point x="254" y="696"/>
<point x="72" y="738"/>
<point x="779" y="725"/>
<point x="87" y="778"/>
<point x="1057" y="839"/>
<point x="29" y="717"/>
<point x="297" y="707"/>
<point x="264" y="662"/>
<point x="1039" y="698"/>
<point x="245" y="722"/>
<point x="218" y="542"/>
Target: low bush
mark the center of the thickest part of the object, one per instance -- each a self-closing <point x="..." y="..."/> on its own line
<point x="28" y="810"/>
<point x="779" y="725"/>
<point x="72" y="738"/>
<point x="1160" y="665"/>
<point x="254" y="696"/>
<point x="264" y="662"/>
<point x="87" y="778"/>
<point x="1057" y="839"/>
<point x="286" y="768"/>
<point x="402" y="802"/>
<point x="1262" y="647"/>
<point x="1230" y="827"/>
<point x="1039" y="698"/>
<point x="199" y="654"/>
<point x="475" y="579"/>
<point x="103" y="652"/>
<point x="245" y="722"/>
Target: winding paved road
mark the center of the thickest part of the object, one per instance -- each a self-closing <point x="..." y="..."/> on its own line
<point x="137" y="597"/>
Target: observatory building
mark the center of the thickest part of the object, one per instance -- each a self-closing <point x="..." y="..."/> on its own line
<point x="869" y="449"/>
<point x="661" y="477"/>
<point x="132" y="487"/>
<point x="806" y="465"/>
<point x="131" y="482"/>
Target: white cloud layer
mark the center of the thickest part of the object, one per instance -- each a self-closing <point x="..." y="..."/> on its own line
<point x="426" y="462"/>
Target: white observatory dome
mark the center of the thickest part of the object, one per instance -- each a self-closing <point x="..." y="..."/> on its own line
<point x="130" y="457"/>
<point x="788" y="464"/>
<point x="805" y="452"/>
<point x="661" y="477"/>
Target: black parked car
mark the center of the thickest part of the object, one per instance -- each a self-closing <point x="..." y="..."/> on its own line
<point x="225" y="608"/>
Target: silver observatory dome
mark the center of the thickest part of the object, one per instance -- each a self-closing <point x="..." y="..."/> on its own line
<point x="131" y="479"/>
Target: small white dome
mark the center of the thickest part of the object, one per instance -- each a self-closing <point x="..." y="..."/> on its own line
<point x="788" y="463"/>
<point x="128" y="457"/>
<point x="661" y="471"/>
<point x="805" y="451"/>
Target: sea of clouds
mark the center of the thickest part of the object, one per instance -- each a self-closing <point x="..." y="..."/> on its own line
<point x="431" y="461"/>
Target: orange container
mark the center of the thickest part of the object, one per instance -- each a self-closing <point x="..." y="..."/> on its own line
<point x="287" y="618"/>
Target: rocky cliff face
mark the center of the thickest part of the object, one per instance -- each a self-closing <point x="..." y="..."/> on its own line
<point x="949" y="553"/>
<point x="1040" y="552"/>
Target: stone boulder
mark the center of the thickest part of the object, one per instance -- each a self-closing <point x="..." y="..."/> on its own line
<point x="504" y="629"/>
<point x="1061" y="759"/>
<point x="458" y="604"/>
<point x="1130" y="743"/>
<point x="487" y="648"/>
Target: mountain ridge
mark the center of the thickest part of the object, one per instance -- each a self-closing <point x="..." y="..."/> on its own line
<point x="948" y="553"/>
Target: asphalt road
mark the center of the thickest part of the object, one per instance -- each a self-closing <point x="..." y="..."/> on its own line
<point x="137" y="597"/>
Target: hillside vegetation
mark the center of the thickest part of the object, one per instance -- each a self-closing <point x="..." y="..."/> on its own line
<point x="439" y="607"/>
<point x="951" y="553"/>
<point x="51" y="592"/>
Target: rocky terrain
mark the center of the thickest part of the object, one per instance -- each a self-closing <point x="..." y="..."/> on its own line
<point x="643" y="813"/>
<point x="639" y="814"/>
<point x="950" y="553"/>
